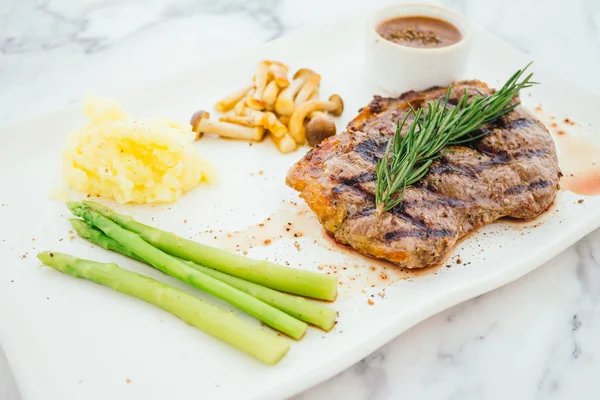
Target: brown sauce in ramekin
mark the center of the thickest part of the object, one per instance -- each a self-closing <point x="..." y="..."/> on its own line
<point x="419" y="31"/>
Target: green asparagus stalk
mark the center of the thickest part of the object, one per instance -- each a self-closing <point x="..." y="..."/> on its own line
<point x="296" y="306"/>
<point x="171" y="266"/>
<point x="274" y="276"/>
<point x="218" y="323"/>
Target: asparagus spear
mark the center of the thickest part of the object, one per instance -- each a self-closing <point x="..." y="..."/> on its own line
<point x="171" y="266"/>
<point x="296" y="306"/>
<point x="218" y="323"/>
<point x="278" y="277"/>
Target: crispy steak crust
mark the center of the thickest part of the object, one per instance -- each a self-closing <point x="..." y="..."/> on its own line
<point x="512" y="171"/>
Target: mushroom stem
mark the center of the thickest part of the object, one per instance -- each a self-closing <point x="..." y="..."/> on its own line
<point x="279" y="73"/>
<point x="195" y="121"/>
<point x="270" y="95"/>
<point x="272" y="123"/>
<point x="268" y="120"/>
<point x="202" y="124"/>
<point x="318" y="114"/>
<point x="311" y="85"/>
<point x="285" y="119"/>
<point x="233" y="131"/>
<point x="229" y="101"/>
<point x="239" y="108"/>
<point x="260" y="83"/>
<point x="285" y="101"/>
<point x="285" y="144"/>
<point x="241" y="120"/>
<point x="315" y="96"/>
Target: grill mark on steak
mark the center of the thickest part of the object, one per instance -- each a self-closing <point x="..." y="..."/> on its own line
<point x="440" y="201"/>
<point x="354" y="184"/>
<point x="514" y="124"/>
<point x="356" y="189"/>
<point x="362" y="178"/>
<point x="365" y="212"/>
<point x="371" y="150"/>
<point x="445" y="166"/>
<point x="511" y="170"/>
<point x="418" y="233"/>
<point x="400" y="212"/>
<point x="531" y="187"/>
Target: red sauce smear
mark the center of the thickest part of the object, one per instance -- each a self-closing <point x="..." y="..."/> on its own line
<point x="579" y="162"/>
<point x="579" y="159"/>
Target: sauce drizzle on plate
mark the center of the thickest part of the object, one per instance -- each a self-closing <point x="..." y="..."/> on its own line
<point x="356" y="272"/>
<point x="580" y="164"/>
<point x="578" y="158"/>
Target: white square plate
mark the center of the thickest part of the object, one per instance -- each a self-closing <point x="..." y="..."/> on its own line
<point x="71" y="339"/>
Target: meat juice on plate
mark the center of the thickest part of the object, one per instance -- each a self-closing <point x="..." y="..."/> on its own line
<point x="579" y="158"/>
<point x="580" y="163"/>
<point x="295" y="221"/>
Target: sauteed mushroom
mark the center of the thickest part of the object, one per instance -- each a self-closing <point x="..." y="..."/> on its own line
<point x="319" y="128"/>
<point x="202" y="124"/>
<point x="285" y="144"/>
<point x="260" y="83"/>
<point x="270" y="95"/>
<point x="285" y="101"/>
<point x="229" y="101"/>
<point x="289" y="110"/>
<point x="267" y="120"/>
<point x="310" y="86"/>
<point x="279" y="72"/>
<point x="334" y="106"/>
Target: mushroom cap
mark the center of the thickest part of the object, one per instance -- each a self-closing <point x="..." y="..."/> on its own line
<point x="339" y="105"/>
<point x="304" y="72"/>
<point x="195" y="122"/>
<point x="318" y="129"/>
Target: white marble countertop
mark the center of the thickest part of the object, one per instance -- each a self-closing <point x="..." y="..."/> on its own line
<point x="537" y="338"/>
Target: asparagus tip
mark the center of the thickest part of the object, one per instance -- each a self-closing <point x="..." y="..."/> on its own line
<point x="81" y="227"/>
<point x="44" y="256"/>
<point x="92" y="204"/>
<point x="49" y="258"/>
<point x="75" y="207"/>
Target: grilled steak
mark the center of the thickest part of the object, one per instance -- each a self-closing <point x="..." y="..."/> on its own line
<point x="512" y="171"/>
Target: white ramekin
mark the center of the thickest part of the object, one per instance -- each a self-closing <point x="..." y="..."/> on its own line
<point x="396" y="68"/>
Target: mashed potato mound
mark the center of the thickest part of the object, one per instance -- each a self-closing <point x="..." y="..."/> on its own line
<point x="131" y="160"/>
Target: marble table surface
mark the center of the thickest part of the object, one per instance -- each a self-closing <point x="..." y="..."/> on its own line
<point x="537" y="338"/>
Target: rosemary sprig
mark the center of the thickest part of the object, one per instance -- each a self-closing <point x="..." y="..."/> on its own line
<point x="407" y="158"/>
